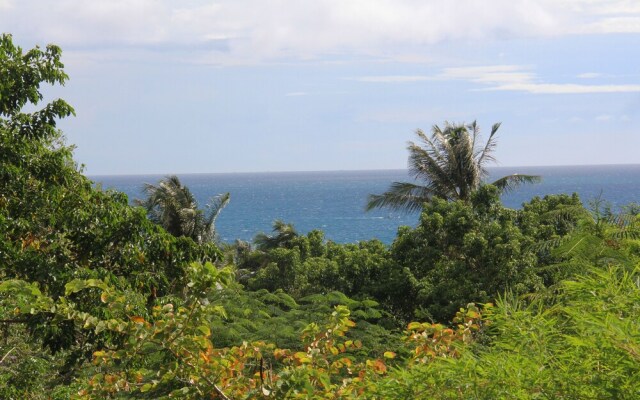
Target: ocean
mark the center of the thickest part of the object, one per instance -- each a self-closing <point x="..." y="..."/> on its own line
<point x="334" y="201"/>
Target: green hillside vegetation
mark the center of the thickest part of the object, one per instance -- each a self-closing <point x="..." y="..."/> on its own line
<point x="102" y="299"/>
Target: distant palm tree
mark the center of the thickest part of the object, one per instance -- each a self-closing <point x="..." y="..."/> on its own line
<point x="284" y="233"/>
<point x="173" y="206"/>
<point x="451" y="164"/>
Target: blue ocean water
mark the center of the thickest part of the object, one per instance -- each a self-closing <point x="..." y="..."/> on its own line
<point x="334" y="201"/>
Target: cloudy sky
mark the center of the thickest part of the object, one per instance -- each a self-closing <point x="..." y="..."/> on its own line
<point x="295" y="85"/>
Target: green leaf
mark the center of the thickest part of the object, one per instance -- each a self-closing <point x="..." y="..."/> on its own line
<point x="205" y="330"/>
<point x="77" y="285"/>
<point x="414" y="326"/>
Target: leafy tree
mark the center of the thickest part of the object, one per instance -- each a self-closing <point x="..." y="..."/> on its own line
<point x="451" y="164"/>
<point x="595" y="236"/>
<point x="172" y="206"/>
<point x="56" y="227"/>
<point x="550" y="217"/>
<point x="464" y="252"/>
<point x="21" y="75"/>
<point x="96" y="301"/>
<point x="305" y="265"/>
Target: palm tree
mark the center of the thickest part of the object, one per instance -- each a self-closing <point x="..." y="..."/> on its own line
<point x="284" y="233"/>
<point x="173" y="206"/>
<point x="451" y="164"/>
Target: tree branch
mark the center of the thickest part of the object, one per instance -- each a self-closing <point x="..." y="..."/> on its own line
<point x="13" y="321"/>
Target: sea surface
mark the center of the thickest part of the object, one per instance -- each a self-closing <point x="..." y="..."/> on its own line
<point x="334" y="201"/>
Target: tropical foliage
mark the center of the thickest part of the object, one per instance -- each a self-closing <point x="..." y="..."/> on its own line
<point x="98" y="301"/>
<point x="451" y="165"/>
<point x="56" y="227"/>
<point x="172" y="206"/>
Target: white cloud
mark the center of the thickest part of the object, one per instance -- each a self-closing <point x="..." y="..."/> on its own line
<point x="601" y="7"/>
<point x="274" y="29"/>
<point x="615" y="25"/>
<point x="567" y="88"/>
<point x="518" y="78"/>
<point x="489" y="74"/>
<point x="600" y="16"/>
<point x="508" y="78"/>
<point x="394" y="78"/>
<point x="589" y="75"/>
<point x="259" y="30"/>
<point x="609" y="117"/>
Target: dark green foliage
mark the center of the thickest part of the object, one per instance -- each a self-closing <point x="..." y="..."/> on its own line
<point x="569" y="237"/>
<point x="56" y="227"/>
<point x="84" y="276"/>
<point x="546" y="221"/>
<point x="306" y="264"/>
<point x="460" y="252"/>
<point x="278" y="318"/>
<point x="21" y="75"/>
<point x="465" y="252"/>
<point x="53" y="222"/>
<point x="22" y="369"/>
<point x="550" y="217"/>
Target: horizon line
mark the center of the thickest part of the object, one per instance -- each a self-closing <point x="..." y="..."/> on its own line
<point x="347" y="170"/>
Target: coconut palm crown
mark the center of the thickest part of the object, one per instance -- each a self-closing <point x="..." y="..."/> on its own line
<point x="451" y="164"/>
<point x="172" y="206"/>
<point x="283" y="234"/>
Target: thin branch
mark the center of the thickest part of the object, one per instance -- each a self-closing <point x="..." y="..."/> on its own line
<point x="6" y="355"/>
<point x="13" y="321"/>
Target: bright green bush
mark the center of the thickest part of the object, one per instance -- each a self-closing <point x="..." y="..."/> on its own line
<point x="584" y="345"/>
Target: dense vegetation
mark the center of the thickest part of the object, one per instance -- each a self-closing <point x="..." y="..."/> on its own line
<point x="99" y="301"/>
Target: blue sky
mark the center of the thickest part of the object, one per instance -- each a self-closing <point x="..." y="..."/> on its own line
<point x="291" y="85"/>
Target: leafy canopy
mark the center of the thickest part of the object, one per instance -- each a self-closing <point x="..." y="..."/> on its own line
<point x="21" y="75"/>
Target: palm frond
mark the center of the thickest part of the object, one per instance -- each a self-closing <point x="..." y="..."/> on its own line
<point x="633" y="234"/>
<point x="447" y="164"/>
<point x="510" y="182"/>
<point x="189" y="219"/>
<point x="402" y="196"/>
<point x="423" y="165"/>
<point x="283" y="234"/>
<point x="174" y="207"/>
<point x="622" y="220"/>
<point x="475" y="131"/>
<point x="548" y="245"/>
<point x="216" y="204"/>
<point x="569" y="214"/>
<point x="485" y="154"/>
